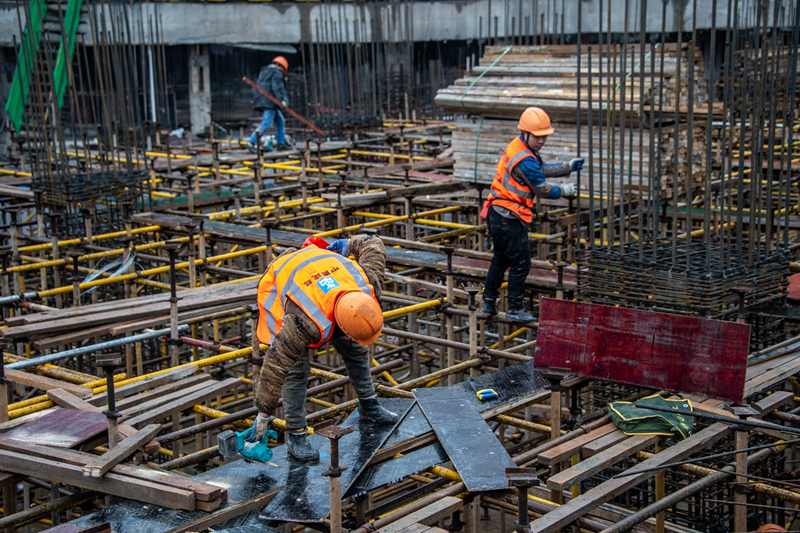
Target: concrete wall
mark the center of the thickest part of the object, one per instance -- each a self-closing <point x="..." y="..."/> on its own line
<point x="274" y="22"/>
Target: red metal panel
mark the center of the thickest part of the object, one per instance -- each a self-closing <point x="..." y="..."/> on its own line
<point x="643" y="348"/>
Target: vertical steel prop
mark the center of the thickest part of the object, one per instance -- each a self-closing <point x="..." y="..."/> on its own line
<point x="334" y="473"/>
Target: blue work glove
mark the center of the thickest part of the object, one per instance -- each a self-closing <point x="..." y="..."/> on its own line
<point x="340" y="246"/>
<point x="260" y="427"/>
<point x="576" y="164"/>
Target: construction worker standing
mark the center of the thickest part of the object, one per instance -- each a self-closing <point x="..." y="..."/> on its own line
<point x="271" y="79"/>
<point x="508" y="210"/>
<point x="306" y="298"/>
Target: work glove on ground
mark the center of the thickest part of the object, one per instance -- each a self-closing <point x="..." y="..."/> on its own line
<point x="576" y="164"/>
<point x="568" y="190"/>
<point x="340" y="246"/>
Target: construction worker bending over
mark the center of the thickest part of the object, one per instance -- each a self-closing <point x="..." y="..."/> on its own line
<point x="508" y="210"/>
<point x="271" y="80"/>
<point x="306" y="298"/>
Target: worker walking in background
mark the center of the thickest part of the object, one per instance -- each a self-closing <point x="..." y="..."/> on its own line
<point x="306" y="298"/>
<point x="508" y="210"/>
<point x="272" y="80"/>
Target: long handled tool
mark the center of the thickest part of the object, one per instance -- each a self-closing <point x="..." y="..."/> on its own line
<point x="295" y="115"/>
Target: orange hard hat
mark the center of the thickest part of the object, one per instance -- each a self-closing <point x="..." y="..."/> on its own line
<point x="359" y="316"/>
<point x="282" y="62"/>
<point x="770" y="527"/>
<point x="535" y="121"/>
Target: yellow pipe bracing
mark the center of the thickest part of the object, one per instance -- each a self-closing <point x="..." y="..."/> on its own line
<point x="40" y="403"/>
<point x="386" y="221"/>
<point x="101" y="237"/>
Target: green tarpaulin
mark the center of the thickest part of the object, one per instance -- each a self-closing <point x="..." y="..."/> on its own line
<point x="635" y="421"/>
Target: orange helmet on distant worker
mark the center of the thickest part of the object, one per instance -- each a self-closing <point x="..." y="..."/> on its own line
<point x="282" y="62"/>
<point x="534" y="120"/>
<point x="770" y="527"/>
<point x="359" y="316"/>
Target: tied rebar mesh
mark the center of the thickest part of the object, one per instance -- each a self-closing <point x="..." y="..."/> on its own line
<point x="91" y="188"/>
<point x="656" y="281"/>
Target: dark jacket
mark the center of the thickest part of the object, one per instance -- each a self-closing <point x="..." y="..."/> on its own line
<point x="271" y="80"/>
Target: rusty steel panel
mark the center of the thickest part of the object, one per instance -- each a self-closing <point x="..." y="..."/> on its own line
<point x="644" y="348"/>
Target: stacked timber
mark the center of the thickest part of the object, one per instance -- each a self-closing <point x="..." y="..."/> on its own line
<point x="547" y="77"/>
<point x="477" y="145"/>
<point x="626" y="154"/>
<point x="50" y="441"/>
<point x="120" y="317"/>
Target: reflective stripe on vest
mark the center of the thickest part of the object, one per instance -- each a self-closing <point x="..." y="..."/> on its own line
<point x="506" y="191"/>
<point x="314" y="279"/>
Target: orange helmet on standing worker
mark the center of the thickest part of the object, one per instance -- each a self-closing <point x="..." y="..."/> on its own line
<point x="359" y="316"/>
<point x="280" y="60"/>
<point x="535" y="121"/>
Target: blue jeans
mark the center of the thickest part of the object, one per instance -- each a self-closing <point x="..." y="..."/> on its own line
<point x="295" y="386"/>
<point x="266" y="122"/>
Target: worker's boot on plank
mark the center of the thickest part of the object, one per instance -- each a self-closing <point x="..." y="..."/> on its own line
<point x="372" y="410"/>
<point x="489" y="307"/>
<point x="283" y="147"/>
<point x="252" y="148"/>
<point x="300" y="449"/>
<point x="520" y="315"/>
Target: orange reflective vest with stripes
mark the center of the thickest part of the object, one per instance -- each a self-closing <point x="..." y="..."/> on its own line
<point x="313" y="279"/>
<point x="508" y="192"/>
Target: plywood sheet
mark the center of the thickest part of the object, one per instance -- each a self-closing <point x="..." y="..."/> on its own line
<point x="644" y="348"/>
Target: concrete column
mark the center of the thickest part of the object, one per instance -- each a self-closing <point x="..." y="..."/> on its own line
<point x="199" y="87"/>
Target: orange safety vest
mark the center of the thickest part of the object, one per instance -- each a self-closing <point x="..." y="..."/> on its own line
<point x="508" y="192"/>
<point x="314" y="279"/>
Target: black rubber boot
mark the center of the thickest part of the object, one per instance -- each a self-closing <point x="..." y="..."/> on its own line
<point x="283" y="147"/>
<point x="300" y="449"/>
<point x="520" y="315"/>
<point x="372" y="409"/>
<point x="489" y="307"/>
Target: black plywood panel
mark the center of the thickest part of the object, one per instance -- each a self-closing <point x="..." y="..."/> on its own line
<point x="473" y="448"/>
<point x="306" y="493"/>
<point x="413" y="424"/>
<point x="510" y="383"/>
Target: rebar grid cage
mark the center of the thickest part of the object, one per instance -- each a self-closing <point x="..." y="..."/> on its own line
<point x="687" y="279"/>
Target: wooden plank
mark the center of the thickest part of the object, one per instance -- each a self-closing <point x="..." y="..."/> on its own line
<point x="121" y="451"/>
<point x="203" y="491"/>
<point x="114" y="484"/>
<point x="568" y="449"/>
<point x="772" y="377"/>
<point x="432" y="513"/>
<point x="183" y="403"/>
<point x="160" y="396"/>
<point x="231" y="511"/>
<point x="130" y="327"/>
<point x="644" y="348"/>
<point x="587" y="468"/>
<point x="45" y="383"/>
<point x="421" y="528"/>
<point x="145" y="384"/>
<point x="580" y="506"/>
<point x="71" y="402"/>
<point x="186" y="302"/>
<point x="603" y="443"/>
